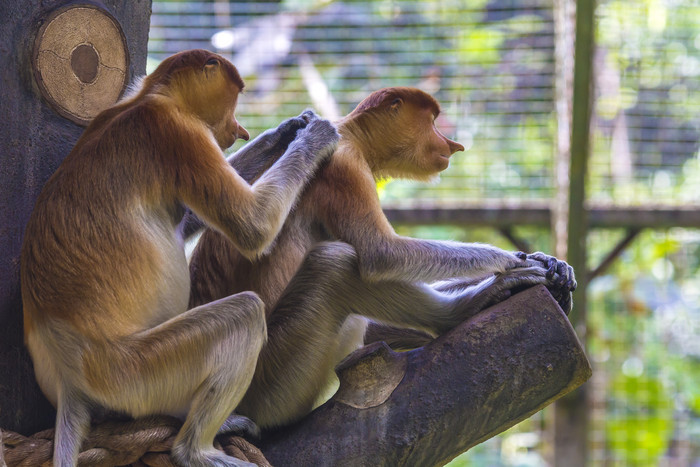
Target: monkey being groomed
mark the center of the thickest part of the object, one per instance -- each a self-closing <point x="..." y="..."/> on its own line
<point x="105" y="281"/>
<point x="337" y="261"/>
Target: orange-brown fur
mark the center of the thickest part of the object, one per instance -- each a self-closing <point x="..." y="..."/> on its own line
<point x="310" y="302"/>
<point x="105" y="283"/>
<point x="339" y="203"/>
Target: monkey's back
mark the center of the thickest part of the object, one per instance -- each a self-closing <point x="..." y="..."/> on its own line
<point x="93" y="249"/>
<point x="218" y="269"/>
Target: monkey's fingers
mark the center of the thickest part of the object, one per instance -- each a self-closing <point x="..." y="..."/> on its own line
<point x="569" y="278"/>
<point x="308" y="115"/>
<point x="288" y="129"/>
<point x="566" y="276"/>
<point x="553" y="266"/>
<point x="320" y="138"/>
<point x="520" y="255"/>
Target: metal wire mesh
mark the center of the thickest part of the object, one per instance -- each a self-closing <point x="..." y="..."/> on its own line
<point x="491" y="65"/>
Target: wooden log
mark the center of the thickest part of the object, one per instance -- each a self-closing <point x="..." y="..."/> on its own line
<point x="426" y="406"/>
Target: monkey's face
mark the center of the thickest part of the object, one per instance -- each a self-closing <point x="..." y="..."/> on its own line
<point x="214" y="98"/>
<point x="433" y="149"/>
<point x="227" y="129"/>
<point x="223" y="98"/>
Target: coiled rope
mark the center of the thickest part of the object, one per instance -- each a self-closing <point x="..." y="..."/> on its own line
<point x="138" y="443"/>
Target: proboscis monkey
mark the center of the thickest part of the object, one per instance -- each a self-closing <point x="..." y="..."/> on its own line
<point x="105" y="282"/>
<point x="315" y="290"/>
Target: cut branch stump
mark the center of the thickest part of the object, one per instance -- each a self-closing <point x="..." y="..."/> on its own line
<point x="426" y="406"/>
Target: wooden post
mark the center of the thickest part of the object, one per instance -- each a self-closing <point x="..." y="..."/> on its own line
<point x="36" y="135"/>
<point x="571" y="413"/>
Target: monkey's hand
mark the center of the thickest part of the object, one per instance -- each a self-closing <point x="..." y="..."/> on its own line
<point x="560" y="277"/>
<point x="255" y="157"/>
<point x="288" y="129"/>
<point x="317" y="140"/>
<point x="560" y="271"/>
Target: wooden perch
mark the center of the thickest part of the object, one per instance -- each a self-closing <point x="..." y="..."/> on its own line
<point x="422" y="407"/>
<point x="426" y="406"/>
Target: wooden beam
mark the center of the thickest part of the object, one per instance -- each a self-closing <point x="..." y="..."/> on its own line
<point x="571" y="414"/>
<point x="519" y="243"/>
<point x="492" y="215"/>
<point x="655" y="217"/>
<point x="614" y="253"/>
<point x="539" y="214"/>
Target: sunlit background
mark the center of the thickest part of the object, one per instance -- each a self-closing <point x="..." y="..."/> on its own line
<point x="492" y="66"/>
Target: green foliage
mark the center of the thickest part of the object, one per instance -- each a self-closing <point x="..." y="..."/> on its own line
<point x="644" y="322"/>
<point x="638" y="439"/>
<point x="640" y="434"/>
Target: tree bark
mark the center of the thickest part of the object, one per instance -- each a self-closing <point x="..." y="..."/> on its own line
<point x="426" y="406"/>
<point x="35" y="139"/>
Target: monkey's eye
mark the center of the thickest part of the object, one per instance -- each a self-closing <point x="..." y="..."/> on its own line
<point x="212" y="62"/>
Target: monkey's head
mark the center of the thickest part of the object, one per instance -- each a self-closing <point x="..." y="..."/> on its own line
<point x="397" y="127"/>
<point x="205" y="84"/>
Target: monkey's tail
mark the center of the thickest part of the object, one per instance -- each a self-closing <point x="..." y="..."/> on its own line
<point x="72" y="424"/>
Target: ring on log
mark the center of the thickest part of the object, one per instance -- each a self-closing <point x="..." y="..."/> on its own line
<point x="80" y="61"/>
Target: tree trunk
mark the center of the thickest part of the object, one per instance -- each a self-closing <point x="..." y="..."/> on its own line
<point x="35" y="139"/>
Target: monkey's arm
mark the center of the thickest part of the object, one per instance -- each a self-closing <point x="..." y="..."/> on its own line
<point x="251" y="216"/>
<point x="255" y="158"/>
<point x="355" y="216"/>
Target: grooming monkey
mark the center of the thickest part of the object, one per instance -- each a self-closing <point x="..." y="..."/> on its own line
<point x="105" y="282"/>
<point x="314" y="289"/>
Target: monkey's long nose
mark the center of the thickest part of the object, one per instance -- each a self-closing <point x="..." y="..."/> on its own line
<point x="454" y="146"/>
<point x="242" y="133"/>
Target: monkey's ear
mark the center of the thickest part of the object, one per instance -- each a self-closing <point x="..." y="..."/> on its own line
<point x="395" y="104"/>
<point x="211" y="66"/>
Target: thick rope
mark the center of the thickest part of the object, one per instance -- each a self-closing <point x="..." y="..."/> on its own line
<point x="138" y="443"/>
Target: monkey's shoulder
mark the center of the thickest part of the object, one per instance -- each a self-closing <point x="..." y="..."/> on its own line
<point x="345" y="173"/>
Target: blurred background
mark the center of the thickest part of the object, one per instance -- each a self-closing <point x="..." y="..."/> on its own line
<point x="621" y="201"/>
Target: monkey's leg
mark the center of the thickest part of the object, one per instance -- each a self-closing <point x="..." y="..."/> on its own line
<point x="398" y="338"/>
<point x="200" y="363"/>
<point x="297" y="363"/>
<point x="482" y="292"/>
<point x="303" y="330"/>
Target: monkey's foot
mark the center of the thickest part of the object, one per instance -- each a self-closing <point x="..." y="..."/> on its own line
<point x="205" y="458"/>
<point x="240" y="426"/>
<point x="562" y="295"/>
<point x="559" y="286"/>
